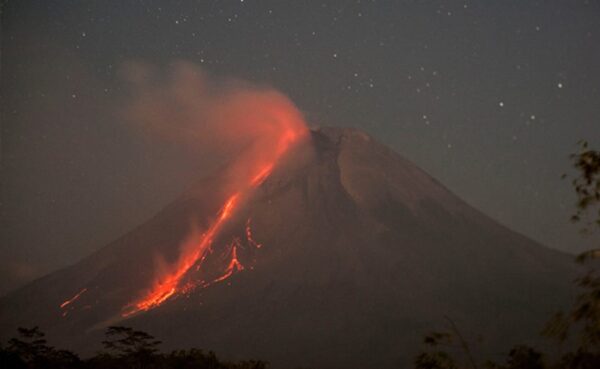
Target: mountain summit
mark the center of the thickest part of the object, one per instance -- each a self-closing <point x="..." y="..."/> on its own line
<point x="343" y="256"/>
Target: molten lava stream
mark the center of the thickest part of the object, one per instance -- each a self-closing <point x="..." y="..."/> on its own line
<point x="233" y="266"/>
<point x="168" y="285"/>
<point x="249" y="237"/>
<point x="72" y="299"/>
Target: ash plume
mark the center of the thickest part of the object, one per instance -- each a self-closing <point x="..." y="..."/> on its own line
<point x="252" y="125"/>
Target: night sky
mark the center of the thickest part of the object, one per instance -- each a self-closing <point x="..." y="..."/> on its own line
<point x="489" y="97"/>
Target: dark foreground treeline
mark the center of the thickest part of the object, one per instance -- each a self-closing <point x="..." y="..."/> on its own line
<point x="131" y="349"/>
<point x="578" y="329"/>
<point x="123" y="348"/>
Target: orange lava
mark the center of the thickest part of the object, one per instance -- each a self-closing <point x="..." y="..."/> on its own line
<point x="72" y="299"/>
<point x="166" y="286"/>
<point x="195" y="250"/>
<point x="249" y="237"/>
<point x="262" y="175"/>
<point x="233" y="266"/>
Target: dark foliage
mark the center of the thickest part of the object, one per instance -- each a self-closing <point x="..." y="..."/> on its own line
<point x="440" y="347"/>
<point x="584" y="316"/>
<point x="125" y="348"/>
<point x="587" y="183"/>
<point x="524" y="357"/>
<point x="435" y="360"/>
<point x="30" y="350"/>
<point x="124" y="341"/>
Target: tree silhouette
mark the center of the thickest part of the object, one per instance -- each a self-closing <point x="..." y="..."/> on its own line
<point x="135" y="348"/>
<point x="30" y="345"/>
<point x="9" y="359"/>
<point x="125" y="348"/>
<point x="524" y="357"/>
<point x="436" y="355"/>
<point x="125" y="341"/>
<point x="586" y="184"/>
<point x="584" y="315"/>
<point x="32" y="351"/>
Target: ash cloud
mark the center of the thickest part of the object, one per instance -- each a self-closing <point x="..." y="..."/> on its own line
<point x="252" y="125"/>
<point x="219" y="117"/>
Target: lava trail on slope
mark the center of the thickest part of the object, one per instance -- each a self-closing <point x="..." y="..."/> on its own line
<point x="254" y="125"/>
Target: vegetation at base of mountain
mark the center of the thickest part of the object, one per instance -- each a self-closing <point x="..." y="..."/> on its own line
<point x="583" y="319"/>
<point x="124" y="348"/>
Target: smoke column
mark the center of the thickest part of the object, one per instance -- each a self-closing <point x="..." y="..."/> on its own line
<point x="257" y="125"/>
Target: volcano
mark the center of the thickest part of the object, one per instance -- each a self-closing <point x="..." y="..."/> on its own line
<point x="343" y="255"/>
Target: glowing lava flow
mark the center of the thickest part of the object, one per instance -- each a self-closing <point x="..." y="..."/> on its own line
<point x="167" y="286"/>
<point x="65" y="305"/>
<point x="194" y="253"/>
<point x="72" y="299"/>
<point x="234" y="265"/>
<point x="249" y="237"/>
<point x="262" y="175"/>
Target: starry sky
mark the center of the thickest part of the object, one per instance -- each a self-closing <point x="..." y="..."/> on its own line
<point x="489" y="97"/>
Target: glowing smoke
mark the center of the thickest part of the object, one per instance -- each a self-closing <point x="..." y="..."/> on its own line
<point x="215" y="117"/>
<point x="256" y="125"/>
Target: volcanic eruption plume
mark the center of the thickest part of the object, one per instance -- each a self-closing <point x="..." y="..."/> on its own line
<point x="254" y="125"/>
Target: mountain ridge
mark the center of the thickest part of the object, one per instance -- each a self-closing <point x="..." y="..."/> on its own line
<point x="362" y="252"/>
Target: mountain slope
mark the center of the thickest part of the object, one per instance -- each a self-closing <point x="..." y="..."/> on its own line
<point x="353" y="254"/>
